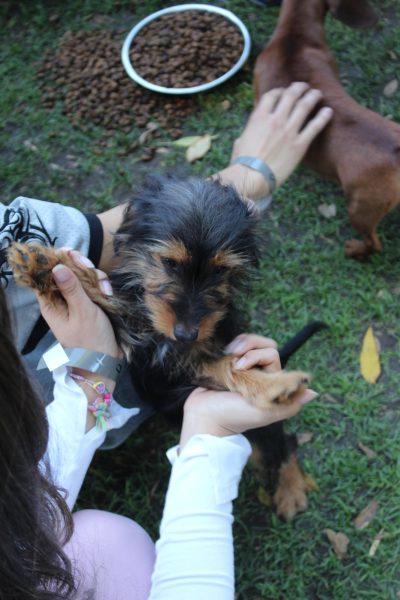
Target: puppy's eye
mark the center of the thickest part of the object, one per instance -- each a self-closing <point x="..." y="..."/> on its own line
<point x="220" y="270"/>
<point x="169" y="263"/>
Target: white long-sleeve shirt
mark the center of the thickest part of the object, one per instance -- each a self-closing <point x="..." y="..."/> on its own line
<point x="194" y="554"/>
<point x="70" y="450"/>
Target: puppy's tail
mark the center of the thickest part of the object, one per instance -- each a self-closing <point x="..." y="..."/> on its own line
<point x="299" y="339"/>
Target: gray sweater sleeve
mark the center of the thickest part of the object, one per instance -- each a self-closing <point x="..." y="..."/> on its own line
<point x="48" y="223"/>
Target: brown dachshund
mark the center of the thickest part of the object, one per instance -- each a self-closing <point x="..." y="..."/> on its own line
<point x="359" y="148"/>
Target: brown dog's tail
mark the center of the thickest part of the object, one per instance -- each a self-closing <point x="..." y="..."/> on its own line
<point x="299" y="339"/>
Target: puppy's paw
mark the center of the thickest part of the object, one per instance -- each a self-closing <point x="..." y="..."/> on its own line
<point x="277" y="388"/>
<point x="32" y="265"/>
<point x="287" y="385"/>
<point x="290" y="496"/>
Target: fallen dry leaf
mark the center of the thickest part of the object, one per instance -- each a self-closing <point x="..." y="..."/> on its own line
<point x="392" y="55"/>
<point x="327" y="210"/>
<point x="187" y="141"/>
<point x="226" y="104"/>
<point x="369" y="358"/>
<point x="370" y="454"/>
<point x="329" y="398"/>
<point x="304" y="438"/>
<point x="375" y="544"/>
<point x="311" y="485"/>
<point x="163" y="150"/>
<point x="199" y="148"/>
<point x="143" y="137"/>
<point x="391" y="88"/>
<point x="339" y="542"/>
<point x="366" y="515"/>
<point x="30" y="145"/>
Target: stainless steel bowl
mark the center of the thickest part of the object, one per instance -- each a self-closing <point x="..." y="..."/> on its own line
<point x="126" y="61"/>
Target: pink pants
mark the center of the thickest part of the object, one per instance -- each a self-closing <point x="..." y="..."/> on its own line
<point x="112" y="557"/>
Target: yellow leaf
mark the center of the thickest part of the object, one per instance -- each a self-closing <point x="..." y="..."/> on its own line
<point x="263" y="497"/>
<point x="369" y="358"/>
<point x="311" y="485"/>
<point x="199" y="148"/>
<point x="184" y="142"/>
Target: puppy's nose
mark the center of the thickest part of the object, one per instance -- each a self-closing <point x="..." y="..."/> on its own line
<point x="185" y="334"/>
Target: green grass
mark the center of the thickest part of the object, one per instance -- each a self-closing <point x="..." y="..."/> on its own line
<point x="304" y="275"/>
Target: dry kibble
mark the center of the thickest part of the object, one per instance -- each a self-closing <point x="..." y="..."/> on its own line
<point x="186" y="48"/>
<point x="107" y="97"/>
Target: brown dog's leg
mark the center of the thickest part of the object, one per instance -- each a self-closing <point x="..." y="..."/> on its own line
<point x="32" y="266"/>
<point x="261" y="388"/>
<point x="365" y="214"/>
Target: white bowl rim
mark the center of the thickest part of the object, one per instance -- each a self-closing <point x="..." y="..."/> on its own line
<point x="230" y="16"/>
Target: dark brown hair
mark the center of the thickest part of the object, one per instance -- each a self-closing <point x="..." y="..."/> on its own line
<point x="34" y="519"/>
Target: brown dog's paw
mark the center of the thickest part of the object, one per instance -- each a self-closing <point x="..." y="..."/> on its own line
<point x="357" y="249"/>
<point x="32" y="265"/>
<point x="290" y="496"/>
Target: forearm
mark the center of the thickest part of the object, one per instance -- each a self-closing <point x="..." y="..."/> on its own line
<point x="195" y="549"/>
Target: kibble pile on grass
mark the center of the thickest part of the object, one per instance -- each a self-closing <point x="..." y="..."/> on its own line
<point x="86" y="74"/>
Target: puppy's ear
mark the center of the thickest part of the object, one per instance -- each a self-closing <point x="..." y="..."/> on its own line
<point x="355" y="13"/>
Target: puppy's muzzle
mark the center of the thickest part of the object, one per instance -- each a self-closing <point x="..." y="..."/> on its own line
<point x="184" y="333"/>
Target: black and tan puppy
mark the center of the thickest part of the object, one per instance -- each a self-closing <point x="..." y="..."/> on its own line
<point x="186" y="251"/>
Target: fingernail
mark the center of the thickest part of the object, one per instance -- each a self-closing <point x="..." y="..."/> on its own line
<point x="241" y="363"/>
<point x="105" y="287"/>
<point x="307" y="396"/>
<point x="235" y="346"/>
<point x="61" y="273"/>
<point x="327" y="110"/>
<point x="83" y="260"/>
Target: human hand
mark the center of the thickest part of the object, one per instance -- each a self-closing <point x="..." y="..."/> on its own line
<point x="275" y="134"/>
<point x="79" y="322"/>
<point x="226" y="413"/>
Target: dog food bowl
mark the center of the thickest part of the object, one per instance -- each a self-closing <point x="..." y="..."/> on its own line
<point x="132" y="69"/>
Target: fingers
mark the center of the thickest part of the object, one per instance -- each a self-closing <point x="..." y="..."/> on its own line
<point x="267" y="358"/>
<point x="268" y="101"/>
<point x="249" y="341"/>
<point x="82" y="262"/>
<point x="302" y="109"/>
<point x="317" y="124"/>
<point x="70" y="288"/>
<point x="282" y="412"/>
<point x="290" y="97"/>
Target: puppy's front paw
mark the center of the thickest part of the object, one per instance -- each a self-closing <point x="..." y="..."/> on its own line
<point x="287" y="384"/>
<point x="32" y="265"/>
<point x="276" y="388"/>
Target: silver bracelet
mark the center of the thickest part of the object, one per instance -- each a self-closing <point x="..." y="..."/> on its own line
<point x="95" y="362"/>
<point x="258" y="165"/>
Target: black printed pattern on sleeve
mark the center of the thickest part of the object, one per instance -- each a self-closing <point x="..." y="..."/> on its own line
<point x="18" y="226"/>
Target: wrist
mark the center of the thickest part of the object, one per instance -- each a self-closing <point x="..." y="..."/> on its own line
<point x="248" y="182"/>
<point x="88" y="382"/>
<point x="194" y="423"/>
